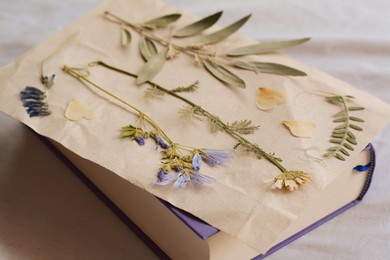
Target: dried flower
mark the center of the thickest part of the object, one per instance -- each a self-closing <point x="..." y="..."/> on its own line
<point x="135" y="133"/>
<point x="159" y="141"/>
<point x="35" y="101"/>
<point x="215" y="157"/>
<point x="48" y="82"/>
<point x="290" y="180"/>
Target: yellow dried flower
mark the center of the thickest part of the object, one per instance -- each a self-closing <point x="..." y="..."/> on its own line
<point x="290" y="180"/>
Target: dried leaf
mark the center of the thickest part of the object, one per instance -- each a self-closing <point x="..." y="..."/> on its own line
<point x="267" y="98"/>
<point x="163" y="21"/>
<point x="339" y="120"/>
<point x="243" y="127"/>
<point x="356" y="119"/>
<point x="340" y="157"/>
<point x="355" y="108"/>
<point x="265" y="47"/>
<point x="358" y="128"/>
<point x="77" y="110"/>
<point x="348" y="146"/>
<point x="300" y="128"/>
<point x="269" y="67"/>
<point x="223" y="33"/>
<point x="198" y="26"/>
<point x="147" y="48"/>
<point x="352" y="141"/>
<point x="223" y="74"/>
<point x="151" y="68"/>
<point x="125" y="37"/>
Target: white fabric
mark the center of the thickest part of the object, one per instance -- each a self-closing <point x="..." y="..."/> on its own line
<point x="350" y="41"/>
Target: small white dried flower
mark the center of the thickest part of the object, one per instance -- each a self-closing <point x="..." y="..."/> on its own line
<point x="291" y="180"/>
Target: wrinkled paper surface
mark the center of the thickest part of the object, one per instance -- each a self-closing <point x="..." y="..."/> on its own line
<point x="242" y="202"/>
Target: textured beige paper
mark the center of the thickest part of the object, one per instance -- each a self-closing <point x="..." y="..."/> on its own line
<point x="241" y="203"/>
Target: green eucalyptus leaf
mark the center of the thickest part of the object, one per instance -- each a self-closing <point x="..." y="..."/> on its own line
<point x="198" y="26"/>
<point x="223" y="74"/>
<point x="147" y="48"/>
<point x="268" y="67"/>
<point x="125" y="37"/>
<point x="265" y="47"/>
<point x="151" y="68"/>
<point x="163" y="21"/>
<point x="223" y="33"/>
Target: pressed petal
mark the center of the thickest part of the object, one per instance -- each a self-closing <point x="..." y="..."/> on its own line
<point x="215" y="157"/>
<point x="196" y="162"/>
<point x="200" y="179"/>
<point x="267" y="98"/>
<point x="300" y="128"/>
<point x="77" y="110"/>
<point x="182" y="180"/>
<point x="140" y="140"/>
<point x="164" y="178"/>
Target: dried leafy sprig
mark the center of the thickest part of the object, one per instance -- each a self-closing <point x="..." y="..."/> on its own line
<point x="213" y="62"/>
<point x="183" y="160"/>
<point x="342" y="136"/>
<point x="235" y="130"/>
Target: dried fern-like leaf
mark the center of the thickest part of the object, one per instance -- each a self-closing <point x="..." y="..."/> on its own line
<point x="153" y="92"/>
<point x="188" y="112"/>
<point x="243" y="127"/>
<point x="342" y="135"/>
<point x="191" y="88"/>
<point x="214" y="126"/>
<point x="198" y="26"/>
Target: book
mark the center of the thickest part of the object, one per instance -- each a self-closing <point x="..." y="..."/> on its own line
<point x="180" y="235"/>
<point x="244" y="207"/>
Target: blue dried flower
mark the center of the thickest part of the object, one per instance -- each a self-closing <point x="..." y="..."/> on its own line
<point x="35" y="101"/>
<point x="200" y="179"/>
<point x="160" y="142"/>
<point x="196" y="162"/>
<point x="164" y="178"/>
<point x="140" y="140"/>
<point x="182" y="180"/>
<point x="215" y="157"/>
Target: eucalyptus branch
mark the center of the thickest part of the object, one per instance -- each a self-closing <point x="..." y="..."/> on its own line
<point x="192" y="51"/>
<point x="213" y="63"/>
<point x="260" y="153"/>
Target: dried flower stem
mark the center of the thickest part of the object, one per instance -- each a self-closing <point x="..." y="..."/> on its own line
<point x="80" y="77"/>
<point x="260" y="153"/>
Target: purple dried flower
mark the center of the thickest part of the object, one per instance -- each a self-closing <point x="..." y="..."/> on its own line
<point x="200" y="179"/>
<point x="215" y="157"/>
<point x="164" y="178"/>
<point x="140" y="140"/>
<point x="182" y="180"/>
<point x="196" y="162"/>
<point x="160" y="142"/>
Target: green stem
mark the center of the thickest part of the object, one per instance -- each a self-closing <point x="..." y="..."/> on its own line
<point x="78" y="76"/>
<point x="250" y="146"/>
